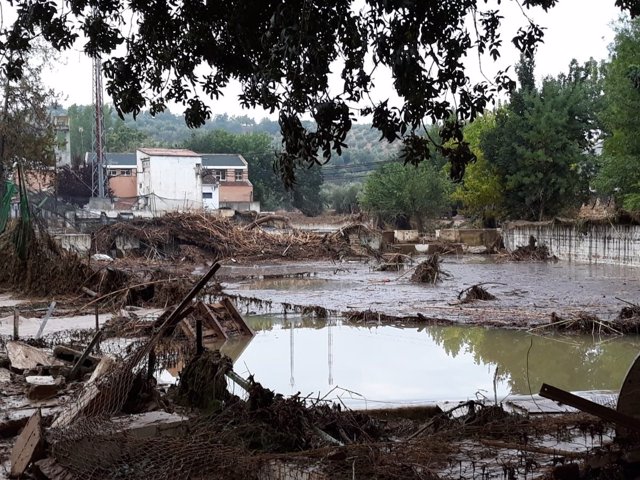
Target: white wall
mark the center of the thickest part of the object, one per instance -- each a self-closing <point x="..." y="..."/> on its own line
<point x="212" y="203"/>
<point x="171" y="183"/>
<point x="590" y="243"/>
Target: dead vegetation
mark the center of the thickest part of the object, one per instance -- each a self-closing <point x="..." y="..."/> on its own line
<point x="429" y="271"/>
<point x="198" y="236"/>
<point x="33" y="263"/>
<point x="475" y="292"/>
<point x="532" y="252"/>
<point x="626" y="323"/>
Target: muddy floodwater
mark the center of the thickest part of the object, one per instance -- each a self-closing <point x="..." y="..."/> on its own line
<point x="526" y="292"/>
<point x="378" y="366"/>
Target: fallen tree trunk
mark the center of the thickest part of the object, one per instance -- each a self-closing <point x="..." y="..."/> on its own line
<point x="265" y="219"/>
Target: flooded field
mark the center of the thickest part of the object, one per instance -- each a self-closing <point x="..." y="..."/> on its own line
<point x="383" y="366"/>
<point x="526" y="292"/>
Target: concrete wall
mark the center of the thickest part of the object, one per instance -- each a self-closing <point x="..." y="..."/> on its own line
<point x="475" y="237"/>
<point x="212" y="203"/>
<point x="74" y="242"/>
<point x="593" y="243"/>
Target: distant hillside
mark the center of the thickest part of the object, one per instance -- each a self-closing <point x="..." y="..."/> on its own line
<point x="364" y="154"/>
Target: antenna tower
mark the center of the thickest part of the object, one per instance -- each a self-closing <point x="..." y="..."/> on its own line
<point x="97" y="176"/>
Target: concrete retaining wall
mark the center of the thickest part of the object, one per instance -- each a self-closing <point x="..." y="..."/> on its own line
<point x="76" y="242"/>
<point x="476" y="237"/>
<point x="592" y="243"/>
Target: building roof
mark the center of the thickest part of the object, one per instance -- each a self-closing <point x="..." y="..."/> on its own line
<point x="120" y="159"/>
<point x="226" y="160"/>
<point x="168" y="152"/>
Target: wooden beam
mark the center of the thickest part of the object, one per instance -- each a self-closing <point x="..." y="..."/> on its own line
<point x="587" y="406"/>
<point x="175" y="316"/>
<point x="85" y="354"/>
<point x="45" y="319"/>
<point x="27" y="447"/>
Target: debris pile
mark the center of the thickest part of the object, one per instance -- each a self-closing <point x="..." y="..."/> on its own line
<point x="532" y="252"/>
<point x="33" y="263"/>
<point x="216" y="238"/>
<point x="584" y="322"/>
<point x="473" y="293"/>
<point x="392" y="263"/>
<point x="429" y="271"/>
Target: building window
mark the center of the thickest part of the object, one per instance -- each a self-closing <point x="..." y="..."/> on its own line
<point x="239" y="175"/>
<point x="145" y="164"/>
<point x="206" y="195"/>
<point x="112" y="173"/>
<point x="126" y="172"/>
<point x="221" y="175"/>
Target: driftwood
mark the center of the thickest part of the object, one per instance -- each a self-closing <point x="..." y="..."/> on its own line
<point x="265" y="219"/>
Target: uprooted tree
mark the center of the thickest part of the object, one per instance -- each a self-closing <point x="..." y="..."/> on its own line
<point x="283" y="54"/>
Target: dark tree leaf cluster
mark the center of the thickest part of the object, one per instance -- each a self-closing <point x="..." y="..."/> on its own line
<point x="283" y="52"/>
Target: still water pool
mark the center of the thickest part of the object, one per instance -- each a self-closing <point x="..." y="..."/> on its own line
<point x="373" y="367"/>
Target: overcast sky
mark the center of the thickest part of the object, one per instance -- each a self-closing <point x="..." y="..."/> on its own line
<point x="574" y="29"/>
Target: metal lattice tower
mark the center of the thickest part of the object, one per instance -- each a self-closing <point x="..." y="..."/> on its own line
<point x="98" y="144"/>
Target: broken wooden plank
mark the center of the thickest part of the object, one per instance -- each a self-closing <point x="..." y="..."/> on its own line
<point x="212" y="320"/>
<point x="27" y="446"/>
<point x="26" y="357"/>
<point x="85" y="354"/>
<point x="45" y="319"/>
<point x="588" y="406"/>
<point x="175" y="316"/>
<point x="230" y="307"/>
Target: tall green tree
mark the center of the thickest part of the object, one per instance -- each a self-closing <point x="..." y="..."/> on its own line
<point x="481" y="191"/>
<point x="396" y="190"/>
<point x="620" y="164"/>
<point x="543" y="141"/>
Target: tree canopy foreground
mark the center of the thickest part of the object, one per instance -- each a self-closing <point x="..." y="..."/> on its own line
<point x="283" y="53"/>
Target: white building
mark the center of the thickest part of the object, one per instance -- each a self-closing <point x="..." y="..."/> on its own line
<point x="169" y="179"/>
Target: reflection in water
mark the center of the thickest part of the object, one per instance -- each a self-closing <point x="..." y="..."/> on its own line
<point x="395" y="365"/>
<point x="525" y="361"/>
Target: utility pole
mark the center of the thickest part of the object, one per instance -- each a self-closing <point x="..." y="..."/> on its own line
<point x="97" y="176"/>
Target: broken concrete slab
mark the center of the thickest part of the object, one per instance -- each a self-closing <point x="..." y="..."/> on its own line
<point x="27" y="447"/>
<point x="26" y="357"/>
<point x="151" y="424"/>
<point x="67" y="354"/>
<point x="5" y="376"/>
<point x="43" y="387"/>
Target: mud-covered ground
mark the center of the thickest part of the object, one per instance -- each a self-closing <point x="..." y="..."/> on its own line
<point x="526" y="293"/>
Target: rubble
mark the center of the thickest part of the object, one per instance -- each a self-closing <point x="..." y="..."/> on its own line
<point x="25" y="357"/>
